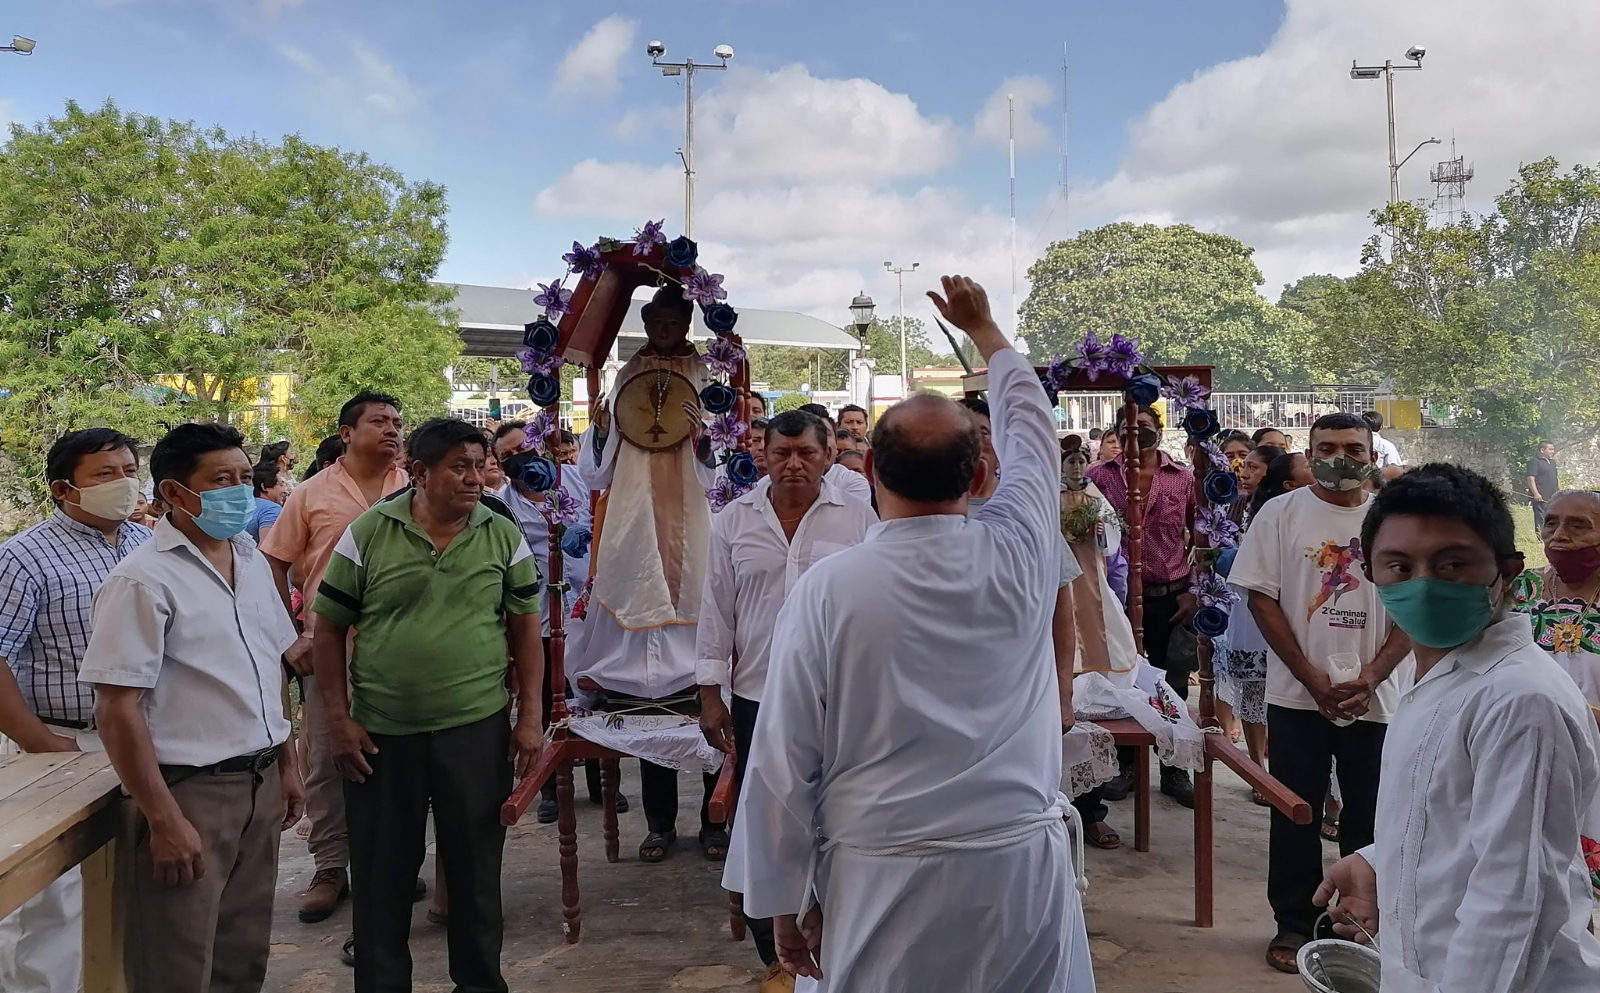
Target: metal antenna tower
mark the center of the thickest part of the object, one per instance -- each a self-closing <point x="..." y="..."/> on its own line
<point x="1450" y="179"/>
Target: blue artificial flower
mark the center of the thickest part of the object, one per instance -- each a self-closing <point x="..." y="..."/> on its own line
<point x="575" y="542"/>
<point x="541" y="335"/>
<point x="538" y="473"/>
<point x="682" y="252"/>
<point x="742" y="469"/>
<point x="1144" y="390"/>
<point x="719" y="318"/>
<point x="1222" y="487"/>
<point x="1200" y="423"/>
<point x="717" y="398"/>
<point x="1210" y="622"/>
<point x="544" y="390"/>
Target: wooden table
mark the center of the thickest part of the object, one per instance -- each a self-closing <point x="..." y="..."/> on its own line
<point x="59" y="810"/>
<point x="1128" y="732"/>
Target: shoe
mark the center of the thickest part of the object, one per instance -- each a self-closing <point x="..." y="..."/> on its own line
<point x="1175" y="783"/>
<point x="327" y="888"/>
<point x="548" y="810"/>
<point x="775" y="980"/>
<point x="347" y="952"/>
<point x="1120" y="787"/>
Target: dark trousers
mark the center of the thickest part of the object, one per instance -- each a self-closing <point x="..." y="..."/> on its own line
<point x="1304" y="745"/>
<point x="466" y="774"/>
<point x="1092" y="805"/>
<point x="1538" y="514"/>
<point x="1158" y="626"/>
<point x="744" y="732"/>
<point x="658" y="791"/>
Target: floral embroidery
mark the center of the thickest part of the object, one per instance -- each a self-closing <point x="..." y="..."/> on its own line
<point x="1560" y="625"/>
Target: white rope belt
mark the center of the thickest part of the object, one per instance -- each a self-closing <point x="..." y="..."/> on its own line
<point x="999" y="837"/>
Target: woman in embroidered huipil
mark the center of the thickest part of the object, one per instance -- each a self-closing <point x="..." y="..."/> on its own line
<point x="1561" y="601"/>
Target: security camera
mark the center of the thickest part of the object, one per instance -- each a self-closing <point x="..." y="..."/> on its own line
<point x="655" y="49"/>
<point x="1416" y="52"/>
<point x="723" y="52"/>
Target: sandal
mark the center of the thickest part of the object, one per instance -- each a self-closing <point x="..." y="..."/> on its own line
<point x="715" y="843"/>
<point x="656" y="846"/>
<point x="1100" y="835"/>
<point x="1330" y="829"/>
<point x="1282" y="952"/>
<point x="434" y="917"/>
<point x="347" y="952"/>
<point x="1258" y="799"/>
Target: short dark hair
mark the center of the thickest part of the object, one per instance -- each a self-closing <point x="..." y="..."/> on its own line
<point x="176" y="455"/>
<point x="435" y="437"/>
<point x="508" y="427"/>
<point x="1373" y="419"/>
<point x="848" y="453"/>
<point x="1280" y="467"/>
<point x="68" y="451"/>
<point x="844" y="433"/>
<point x="818" y="410"/>
<point x="849" y="408"/>
<point x="793" y="423"/>
<point x="978" y="405"/>
<point x="328" y="452"/>
<point x="1339" y="421"/>
<point x="1255" y="439"/>
<point x="924" y="473"/>
<point x="265" y="477"/>
<point x="274" y="451"/>
<point x="1440" y="489"/>
<point x="1155" y="415"/>
<point x="1095" y="434"/>
<point x="759" y="423"/>
<point x="568" y="438"/>
<point x="351" y="412"/>
<point x="1229" y="437"/>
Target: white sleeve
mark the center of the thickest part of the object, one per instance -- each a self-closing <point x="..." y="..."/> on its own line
<point x="774" y="836"/>
<point x="1025" y="440"/>
<point x="129" y="636"/>
<point x="714" y="634"/>
<point x="851" y="484"/>
<point x="1527" y="783"/>
<point x="1258" y="566"/>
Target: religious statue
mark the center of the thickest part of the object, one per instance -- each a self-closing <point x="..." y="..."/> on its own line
<point x="1105" y="638"/>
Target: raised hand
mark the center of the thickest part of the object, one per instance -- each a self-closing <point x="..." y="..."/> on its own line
<point x="966" y="305"/>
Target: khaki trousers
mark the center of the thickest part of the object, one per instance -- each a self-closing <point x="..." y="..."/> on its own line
<point x="211" y="935"/>
<point x="330" y="838"/>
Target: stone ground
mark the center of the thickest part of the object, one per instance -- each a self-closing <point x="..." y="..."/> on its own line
<point x="663" y="928"/>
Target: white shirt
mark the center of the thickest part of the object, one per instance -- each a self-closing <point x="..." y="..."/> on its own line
<point x="1490" y="770"/>
<point x="1383" y="451"/>
<point x="210" y="655"/>
<point x="1306" y="553"/>
<point x="911" y="689"/>
<point x="850" y="483"/>
<point x="751" y="570"/>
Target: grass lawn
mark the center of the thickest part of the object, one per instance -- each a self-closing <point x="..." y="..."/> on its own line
<point x="1527" y="538"/>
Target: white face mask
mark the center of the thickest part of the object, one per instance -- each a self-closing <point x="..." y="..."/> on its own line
<point x="113" y="500"/>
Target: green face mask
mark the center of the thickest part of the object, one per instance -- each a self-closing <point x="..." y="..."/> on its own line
<point x="1340" y="472"/>
<point x="1440" y="614"/>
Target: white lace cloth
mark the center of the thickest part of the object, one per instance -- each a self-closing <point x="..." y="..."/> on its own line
<point x="1143" y="695"/>
<point x="1088" y="758"/>
<point x="668" y="740"/>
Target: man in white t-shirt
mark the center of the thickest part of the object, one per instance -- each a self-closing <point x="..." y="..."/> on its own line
<point x="1333" y="650"/>
<point x="1384" y="454"/>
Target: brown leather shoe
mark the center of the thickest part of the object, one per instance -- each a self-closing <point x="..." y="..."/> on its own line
<point x="327" y="888"/>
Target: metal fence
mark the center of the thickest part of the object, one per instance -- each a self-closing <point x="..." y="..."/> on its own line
<point x="1248" y="411"/>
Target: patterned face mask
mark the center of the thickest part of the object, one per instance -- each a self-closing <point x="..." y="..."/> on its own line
<point x="1340" y="472"/>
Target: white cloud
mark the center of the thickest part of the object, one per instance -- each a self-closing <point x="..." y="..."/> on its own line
<point x="365" y="94"/>
<point x="806" y="185"/>
<point x="1030" y="94"/>
<point x="1286" y="152"/>
<point x="596" y="60"/>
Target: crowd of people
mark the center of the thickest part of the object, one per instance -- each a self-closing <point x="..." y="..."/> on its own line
<point x="882" y="635"/>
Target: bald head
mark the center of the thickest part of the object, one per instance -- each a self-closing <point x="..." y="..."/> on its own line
<point x="926" y="450"/>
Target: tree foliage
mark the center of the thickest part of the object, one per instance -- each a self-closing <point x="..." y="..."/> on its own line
<point x="144" y="260"/>
<point x="1189" y="297"/>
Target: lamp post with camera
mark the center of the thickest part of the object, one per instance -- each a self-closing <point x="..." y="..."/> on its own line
<point x="1387" y="71"/>
<point x="687" y="69"/>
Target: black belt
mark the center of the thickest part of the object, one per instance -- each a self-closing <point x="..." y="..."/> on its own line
<point x="56" y="722"/>
<point x="256" y="763"/>
<point x="1166" y="589"/>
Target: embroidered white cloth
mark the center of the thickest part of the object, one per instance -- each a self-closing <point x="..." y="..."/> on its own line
<point x="1143" y="695"/>
<point x="1088" y="758"/>
<point x="668" y="740"/>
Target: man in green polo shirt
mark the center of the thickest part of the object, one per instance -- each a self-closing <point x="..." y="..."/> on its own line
<point x="442" y="592"/>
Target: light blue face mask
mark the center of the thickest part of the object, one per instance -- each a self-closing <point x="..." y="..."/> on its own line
<point x="225" y="512"/>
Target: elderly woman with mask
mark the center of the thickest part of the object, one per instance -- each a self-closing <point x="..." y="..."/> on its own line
<point x="1563" y="602"/>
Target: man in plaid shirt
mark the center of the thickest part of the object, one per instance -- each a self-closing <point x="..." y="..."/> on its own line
<point x="48" y="577"/>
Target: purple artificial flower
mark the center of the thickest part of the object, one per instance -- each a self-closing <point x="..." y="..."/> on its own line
<point x="1186" y="392"/>
<point x="1092" y="356"/>
<point x="723" y="357"/>
<point x="722" y="493"/>
<point x="1213" y="523"/>
<point x="583" y="261"/>
<point x="1122" y="356"/>
<point x="1213" y="453"/>
<point x="1213" y="591"/>
<point x="539" y="363"/>
<point x="648" y="237"/>
<point x="539" y="429"/>
<point x="704" y="288"/>
<point x="1058" y="372"/>
<point x="561" y="509"/>
<point x="725" y="431"/>
<point x="555" y="300"/>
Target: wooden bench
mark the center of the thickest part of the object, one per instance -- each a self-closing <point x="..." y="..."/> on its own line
<point x="59" y="810"/>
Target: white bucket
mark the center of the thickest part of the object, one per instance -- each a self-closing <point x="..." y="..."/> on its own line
<point x="1345" y="967"/>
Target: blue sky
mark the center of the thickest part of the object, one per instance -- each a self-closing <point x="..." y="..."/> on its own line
<point x="847" y="133"/>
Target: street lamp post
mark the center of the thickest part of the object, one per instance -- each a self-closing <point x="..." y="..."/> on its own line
<point x="862" y="310"/>
<point x="20" y="45"/>
<point x="900" y="277"/>
<point x="687" y="69"/>
<point x="1387" y="71"/>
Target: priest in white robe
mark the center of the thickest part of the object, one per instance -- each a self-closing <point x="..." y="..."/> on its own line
<point x="901" y="819"/>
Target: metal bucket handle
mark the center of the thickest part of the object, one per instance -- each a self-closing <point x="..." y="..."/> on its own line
<point x="1349" y="919"/>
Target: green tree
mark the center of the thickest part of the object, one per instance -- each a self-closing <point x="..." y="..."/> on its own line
<point x="883" y="346"/>
<point x="143" y="260"/>
<point x="1189" y="297"/>
<point x="790" y="401"/>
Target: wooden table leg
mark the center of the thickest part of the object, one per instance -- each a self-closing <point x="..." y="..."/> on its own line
<point x="736" y="915"/>
<point x="102" y="924"/>
<point x="1141" y="801"/>
<point x="1203" y="848"/>
<point x="609" y="773"/>
<point x="567" y="828"/>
